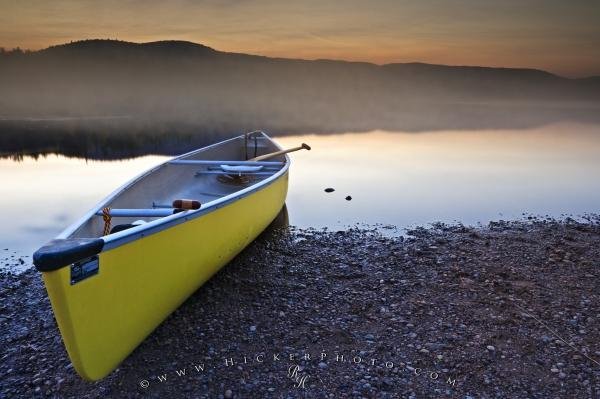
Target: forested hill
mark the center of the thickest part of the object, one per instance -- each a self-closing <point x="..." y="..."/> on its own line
<point x="190" y="84"/>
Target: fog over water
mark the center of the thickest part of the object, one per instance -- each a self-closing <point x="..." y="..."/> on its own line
<point x="106" y="99"/>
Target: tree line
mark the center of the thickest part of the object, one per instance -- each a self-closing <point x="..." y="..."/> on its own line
<point x="11" y="52"/>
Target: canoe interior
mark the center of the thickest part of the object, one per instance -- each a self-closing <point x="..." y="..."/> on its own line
<point x="110" y="302"/>
<point x="169" y="182"/>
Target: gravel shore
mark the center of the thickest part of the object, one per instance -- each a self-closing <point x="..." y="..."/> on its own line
<point x="509" y="310"/>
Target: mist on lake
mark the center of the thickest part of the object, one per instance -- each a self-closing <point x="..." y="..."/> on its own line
<point x="105" y="99"/>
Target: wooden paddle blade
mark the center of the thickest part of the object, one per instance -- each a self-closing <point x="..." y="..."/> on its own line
<point x="304" y="146"/>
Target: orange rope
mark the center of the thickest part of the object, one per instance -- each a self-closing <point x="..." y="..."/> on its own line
<point x="107" y="218"/>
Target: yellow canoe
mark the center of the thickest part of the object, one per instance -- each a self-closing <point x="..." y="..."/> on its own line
<point x="109" y="291"/>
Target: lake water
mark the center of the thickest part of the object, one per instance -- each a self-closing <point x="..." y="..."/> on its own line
<point x="394" y="178"/>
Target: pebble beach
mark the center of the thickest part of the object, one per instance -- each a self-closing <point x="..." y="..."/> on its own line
<point x="506" y="310"/>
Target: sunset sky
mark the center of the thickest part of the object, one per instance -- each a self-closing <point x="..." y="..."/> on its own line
<point x="556" y="35"/>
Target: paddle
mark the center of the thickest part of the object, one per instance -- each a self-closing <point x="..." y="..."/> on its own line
<point x="274" y="154"/>
<point x="239" y="169"/>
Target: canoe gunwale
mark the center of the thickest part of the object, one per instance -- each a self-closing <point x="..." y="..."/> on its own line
<point x="123" y="237"/>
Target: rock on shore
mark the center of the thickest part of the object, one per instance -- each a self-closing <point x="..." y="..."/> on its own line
<point x="507" y="310"/>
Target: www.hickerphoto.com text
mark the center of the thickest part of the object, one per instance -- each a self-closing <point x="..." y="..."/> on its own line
<point x="320" y="358"/>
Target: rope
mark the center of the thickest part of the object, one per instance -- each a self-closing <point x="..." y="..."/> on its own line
<point x="255" y="145"/>
<point x="107" y="218"/>
<point x="254" y="135"/>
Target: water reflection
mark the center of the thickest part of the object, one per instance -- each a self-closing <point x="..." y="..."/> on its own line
<point x="394" y="178"/>
<point x="39" y="198"/>
<point x="468" y="176"/>
<point x="40" y="140"/>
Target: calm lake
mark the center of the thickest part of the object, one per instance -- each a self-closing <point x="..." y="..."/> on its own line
<point x="394" y="178"/>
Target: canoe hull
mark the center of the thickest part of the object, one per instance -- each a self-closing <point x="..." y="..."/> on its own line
<point x="103" y="318"/>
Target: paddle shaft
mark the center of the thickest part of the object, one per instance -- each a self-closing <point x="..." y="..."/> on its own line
<point x="276" y="153"/>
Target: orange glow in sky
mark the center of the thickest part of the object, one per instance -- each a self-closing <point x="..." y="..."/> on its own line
<point x="558" y="36"/>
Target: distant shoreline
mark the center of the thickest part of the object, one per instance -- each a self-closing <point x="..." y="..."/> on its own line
<point x="187" y="48"/>
<point x="129" y="136"/>
<point x="62" y="118"/>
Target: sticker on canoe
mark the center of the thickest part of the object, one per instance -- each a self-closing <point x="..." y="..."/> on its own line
<point x="84" y="269"/>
